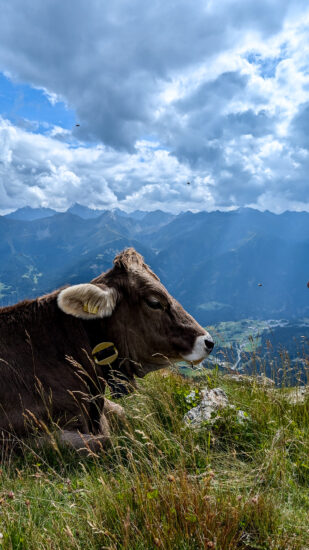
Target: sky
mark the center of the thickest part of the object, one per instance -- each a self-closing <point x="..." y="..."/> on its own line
<point x="121" y="104"/>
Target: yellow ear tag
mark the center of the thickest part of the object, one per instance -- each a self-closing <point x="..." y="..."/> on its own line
<point x="88" y="309"/>
<point x="107" y="360"/>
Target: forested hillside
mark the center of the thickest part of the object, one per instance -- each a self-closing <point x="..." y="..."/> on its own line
<point x="223" y="266"/>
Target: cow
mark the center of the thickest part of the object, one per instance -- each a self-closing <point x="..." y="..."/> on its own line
<point x="59" y="351"/>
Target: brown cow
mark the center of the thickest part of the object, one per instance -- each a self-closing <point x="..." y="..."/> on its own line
<point x="57" y="352"/>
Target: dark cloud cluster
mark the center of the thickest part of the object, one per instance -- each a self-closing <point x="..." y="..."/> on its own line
<point x="109" y="59"/>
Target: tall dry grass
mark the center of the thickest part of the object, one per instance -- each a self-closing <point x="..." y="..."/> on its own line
<point x="161" y="484"/>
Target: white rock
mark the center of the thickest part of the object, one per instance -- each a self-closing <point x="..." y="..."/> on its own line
<point x="208" y="409"/>
<point x="212" y="401"/>
<point x="190" y="397"/>
<point x="242" y="417"/>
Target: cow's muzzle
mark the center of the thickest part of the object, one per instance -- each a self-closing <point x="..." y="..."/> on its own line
<point x="202" y="347"/>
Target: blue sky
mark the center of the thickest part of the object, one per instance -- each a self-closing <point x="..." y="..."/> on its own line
<point x="215" y="93"/>
<point x="32" y="108"/>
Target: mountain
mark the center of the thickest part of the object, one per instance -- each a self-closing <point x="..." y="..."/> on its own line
<point x="27" y="213"/>
<point x="222" y="266"/>
<point x="136" y="214"/>
<point x="46" y="253"/>
<point x="214" y="263"/>
<point x="84" y="212"/>
<point x="243" y="273"/>
<point x="89" y="213"/>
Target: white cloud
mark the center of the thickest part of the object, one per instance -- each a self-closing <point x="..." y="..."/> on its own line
<point x="214" y="93"/>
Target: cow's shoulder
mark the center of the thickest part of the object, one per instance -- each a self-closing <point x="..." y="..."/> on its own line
<point x="29" y="309"/>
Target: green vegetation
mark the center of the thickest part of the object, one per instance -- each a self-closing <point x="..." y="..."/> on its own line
<point x="276" y="348"/>
<point x="162" y="485"/>
<point x="246" y="333"/>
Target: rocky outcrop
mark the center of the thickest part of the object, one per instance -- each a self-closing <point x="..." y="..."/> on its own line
<point x="208" y="410"/>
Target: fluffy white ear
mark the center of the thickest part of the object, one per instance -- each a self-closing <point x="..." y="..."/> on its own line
<point x="87" y="301"/>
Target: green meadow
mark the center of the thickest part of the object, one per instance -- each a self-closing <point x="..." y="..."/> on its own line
<point x="161" y="484"/>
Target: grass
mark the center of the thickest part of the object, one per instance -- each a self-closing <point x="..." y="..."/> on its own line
<point x="163" y="485"/>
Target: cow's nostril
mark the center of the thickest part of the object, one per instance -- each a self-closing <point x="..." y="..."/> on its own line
<point x="209" y="344"/>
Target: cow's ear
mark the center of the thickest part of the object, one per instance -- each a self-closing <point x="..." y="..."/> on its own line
<point x="87" y="301"/>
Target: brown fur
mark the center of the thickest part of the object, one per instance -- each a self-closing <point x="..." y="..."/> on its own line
<point x="46" y="368"/>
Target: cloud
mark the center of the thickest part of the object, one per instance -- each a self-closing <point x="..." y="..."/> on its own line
<point x="41" y="170"/>
<point x="299" y="126"/>
<point x="211" y="92"/>
<point x="110" y="60"/>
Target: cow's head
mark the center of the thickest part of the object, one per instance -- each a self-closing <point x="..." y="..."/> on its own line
<point x="131" y="308"/>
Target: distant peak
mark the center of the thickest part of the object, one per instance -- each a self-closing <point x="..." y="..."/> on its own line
<point x="28" y="213"/>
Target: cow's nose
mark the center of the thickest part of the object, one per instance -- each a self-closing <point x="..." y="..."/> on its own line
<point x="209" y="345"/>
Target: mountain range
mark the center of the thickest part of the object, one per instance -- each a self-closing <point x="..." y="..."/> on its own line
<point x="222" y="266"/>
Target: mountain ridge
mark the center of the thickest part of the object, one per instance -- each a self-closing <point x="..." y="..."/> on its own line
<point x="222" y="266"/>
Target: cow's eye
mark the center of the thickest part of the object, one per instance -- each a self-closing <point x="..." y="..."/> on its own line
<point x="154" y="303"/>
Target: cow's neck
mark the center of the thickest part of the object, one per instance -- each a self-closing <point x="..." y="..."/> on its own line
<point x="119" y="380"/>
<point x="94" y="332"/>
